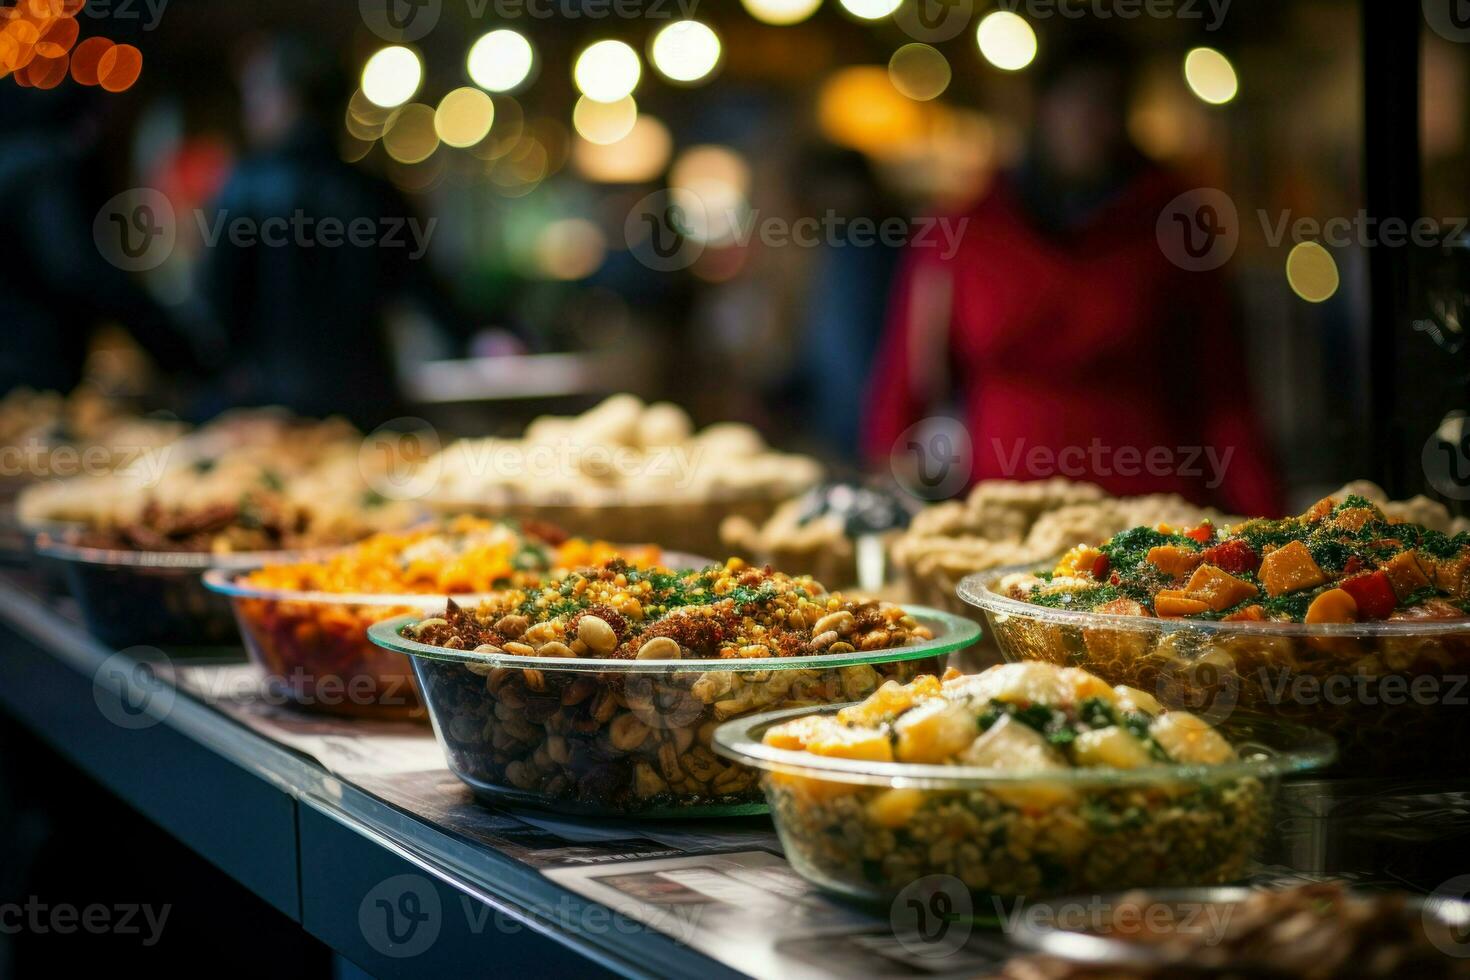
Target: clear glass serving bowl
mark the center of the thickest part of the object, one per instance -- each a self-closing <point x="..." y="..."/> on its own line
<point x="868" y="830"/>
<point x="152" y="597"/>
<point x="1395" y="695"/>
<point x="620" y="737"/>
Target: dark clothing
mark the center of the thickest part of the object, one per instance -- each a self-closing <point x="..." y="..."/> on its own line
<point x="302" y="255"/>
<point x="55" y="285"/>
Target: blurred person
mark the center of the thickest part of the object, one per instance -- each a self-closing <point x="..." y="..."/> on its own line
<point x="301" y="304"/>
<point x="56" y="287"/>
<point x="846" y="287"/>
<point x="1074" y="345"/>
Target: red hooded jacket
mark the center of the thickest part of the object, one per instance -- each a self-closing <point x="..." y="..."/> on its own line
<point x="1089" y="355"/>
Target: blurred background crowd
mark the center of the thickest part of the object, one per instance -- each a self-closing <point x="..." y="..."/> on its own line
<point x="828" y="219"/>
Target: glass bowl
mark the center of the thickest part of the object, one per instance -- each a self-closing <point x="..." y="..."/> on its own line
<point x="314" y="646"/>
<point x="620" y="737"/>
<point x="151" y="597"/>
<point x="869" y="830"/>
<point x="1393" y="694"/>
<point x="1093" y="931"/>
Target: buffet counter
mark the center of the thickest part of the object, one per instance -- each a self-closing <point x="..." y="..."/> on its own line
<point x="357" y="831"/>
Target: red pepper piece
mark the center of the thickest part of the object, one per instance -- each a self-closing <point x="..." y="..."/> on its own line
<point x="1100" y="567"/>
<point x="1354" y="566"/>
<point x="1235" y="557"/>
<point x="1204" y="534"/>
<point x="1373" y="593"/>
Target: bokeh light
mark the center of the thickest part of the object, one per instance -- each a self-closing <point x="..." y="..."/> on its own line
<point x="604" y="122"/>
<point x="570" y="248"/>
<point x="1210" y="76"/>
<point x="870" y="9"/>
<point x="636" y="158"/>
<point x="119" y="67"/>
<point x="464" y="117"/>
<point x="86" y="58"/>
<point x="58" y="38"/>
<point x="781" y="12"/>
<point x="411" y="136"/>
<point x="685" y="51"/>
<point x="500" y="61"/>
<point x="919" y="71"/>
<point x="1311" y="272"/>
<point x="1006" y="40"/>
<point x="392" y="76"/>
<point x="858" y="107"/>
<point x="719" y="178"/>
<point x="607" y="71"/>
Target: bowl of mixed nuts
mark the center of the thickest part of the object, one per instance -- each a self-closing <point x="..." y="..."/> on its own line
<point x="599" y="692"/>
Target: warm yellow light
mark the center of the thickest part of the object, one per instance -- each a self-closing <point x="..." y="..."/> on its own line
<point x="1211" y="76"/>
<point x="568" y="249"/>
<point x="919" y="71"/>
<point x="712" y="181"/>
<point x="685" y="51"/>
<point x="858" y="107"/>
<point x="604" y="122"/>
<point x="870" y="9"/>
<point x="636" y="158"/>
<point x="781" y="12"/>
<point x="392" y="76"/>
<point x="607" y="71"/>
<point x="1006" y="40"/>
<point x="1311" y="272"/>
<point x="500" y="60"/>
<point x="464" y="117"/>
<point x="411" y="138"/>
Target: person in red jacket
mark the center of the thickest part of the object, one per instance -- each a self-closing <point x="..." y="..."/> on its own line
<point x="1073" y="344"/>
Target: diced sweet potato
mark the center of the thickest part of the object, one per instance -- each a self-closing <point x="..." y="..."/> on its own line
<point x="1173" y="560"/>
<point x="895" y="807"/>
<point x="1253" y="614"/>
<point x="1122" y="607"/>
<point x="1353" y="518"/>
<point x="1333" y="606"/>
<point x="867" y="744"/>
<point x="1172" y="603"/>
<point x="1321" y="509"/>
<point x="1289" y="568"/>
<point x="1406" y="573"/>
<point x="1219" y="589"/>
<point x="1452" y="575"/>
